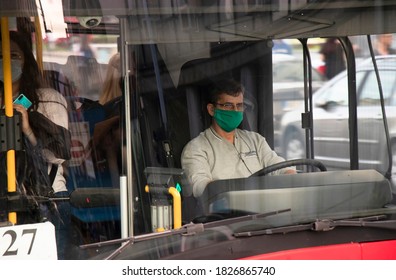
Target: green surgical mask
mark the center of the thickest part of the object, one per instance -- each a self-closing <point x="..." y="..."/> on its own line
<point x="228" y="120"/>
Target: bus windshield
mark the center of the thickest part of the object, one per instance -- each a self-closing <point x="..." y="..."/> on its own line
<point x="172" y="120"/>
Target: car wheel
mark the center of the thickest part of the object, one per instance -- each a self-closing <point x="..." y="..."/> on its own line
<point x="294" y="147"/>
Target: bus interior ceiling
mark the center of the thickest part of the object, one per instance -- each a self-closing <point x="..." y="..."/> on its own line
<point x="212" y="20"/>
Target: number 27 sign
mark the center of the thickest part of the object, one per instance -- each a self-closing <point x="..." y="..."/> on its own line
<point x="33" y="241"/>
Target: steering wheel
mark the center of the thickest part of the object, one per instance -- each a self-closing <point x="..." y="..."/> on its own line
<point x="288" y="163"/>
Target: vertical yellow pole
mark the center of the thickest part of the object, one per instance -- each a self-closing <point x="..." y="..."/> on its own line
<point x="39" y="43"/>
<point x="9" y="111"/>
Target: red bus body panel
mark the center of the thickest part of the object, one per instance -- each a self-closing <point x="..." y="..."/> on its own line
<point x="381" y="250"/>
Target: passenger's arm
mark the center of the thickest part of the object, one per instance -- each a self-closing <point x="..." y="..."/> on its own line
<point x="53" y="106"/>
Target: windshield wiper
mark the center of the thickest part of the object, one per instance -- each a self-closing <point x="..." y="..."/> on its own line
<point x="187" y="229"/>
<point x="326" y="225"/>
<point x="228" y="221"/>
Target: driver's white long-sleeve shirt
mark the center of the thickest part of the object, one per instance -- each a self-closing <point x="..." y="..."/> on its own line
<point x="209" y="157"/>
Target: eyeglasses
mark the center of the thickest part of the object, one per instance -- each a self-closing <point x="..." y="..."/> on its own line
<point x="231" y="106"/>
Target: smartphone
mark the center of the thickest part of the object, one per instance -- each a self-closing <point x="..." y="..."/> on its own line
<point x="23" y="100"/>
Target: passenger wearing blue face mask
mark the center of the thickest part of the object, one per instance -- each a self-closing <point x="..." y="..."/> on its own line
<point x="16" y="68"/>
<point x="46" y="102"/>
<point x="224" y="151"/>
<point x="46" y="139"/>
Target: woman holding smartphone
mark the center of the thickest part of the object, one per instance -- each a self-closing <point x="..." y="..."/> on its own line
<point x="41" y="109"/>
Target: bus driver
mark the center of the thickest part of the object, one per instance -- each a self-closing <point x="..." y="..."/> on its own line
<point x="224" y="151"/>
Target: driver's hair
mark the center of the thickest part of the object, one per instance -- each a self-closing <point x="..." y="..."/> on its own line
<point x="227" y="86"/>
